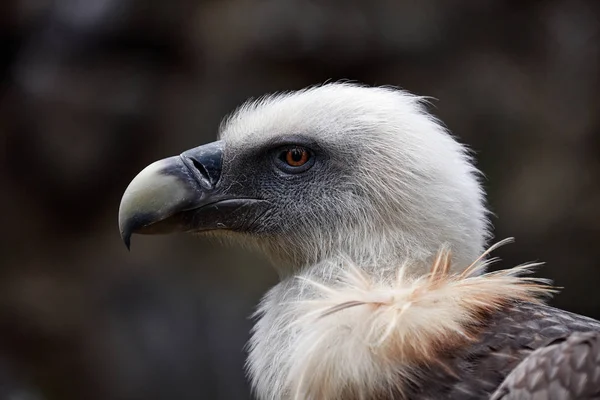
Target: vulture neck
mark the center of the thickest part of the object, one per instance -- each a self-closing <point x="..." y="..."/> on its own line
<point x="340" y="330"/>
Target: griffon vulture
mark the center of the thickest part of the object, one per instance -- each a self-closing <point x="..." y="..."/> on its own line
<point x="375" y="220"/>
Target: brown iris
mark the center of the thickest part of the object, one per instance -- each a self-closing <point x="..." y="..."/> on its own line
<point x="296" y="157"/>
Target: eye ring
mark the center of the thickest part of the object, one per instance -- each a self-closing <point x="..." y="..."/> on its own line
<point x="294" y="159"/>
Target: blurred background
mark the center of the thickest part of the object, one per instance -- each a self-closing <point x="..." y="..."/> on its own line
<point x="94" y="90"/>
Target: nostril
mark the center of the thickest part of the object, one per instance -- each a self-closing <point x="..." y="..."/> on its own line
<point x="201" y="168"/>
<point x="204" y="163"/>
<point x="198" y="170"/>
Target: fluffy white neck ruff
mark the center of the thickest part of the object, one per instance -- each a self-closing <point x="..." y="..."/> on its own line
<point x="336" y="331"/>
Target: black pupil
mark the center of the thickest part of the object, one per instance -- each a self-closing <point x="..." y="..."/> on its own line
<point x="296" y="155"/>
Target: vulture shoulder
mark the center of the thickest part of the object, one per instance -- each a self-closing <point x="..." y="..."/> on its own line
<point x="525" y="351"/>
<point x="567" y="368"/>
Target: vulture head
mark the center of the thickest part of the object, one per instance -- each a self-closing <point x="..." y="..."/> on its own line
<point x="324" y="181"/>
<point x="303" y="176"/>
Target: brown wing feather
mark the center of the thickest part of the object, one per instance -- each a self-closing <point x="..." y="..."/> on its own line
<point x="509" y="337"/>
<point x="567" y="368"/>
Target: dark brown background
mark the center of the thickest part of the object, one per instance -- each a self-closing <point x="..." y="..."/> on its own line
<point x="94" y="90"/>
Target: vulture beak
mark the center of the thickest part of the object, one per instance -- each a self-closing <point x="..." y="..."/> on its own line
<point x="183" y="193"/>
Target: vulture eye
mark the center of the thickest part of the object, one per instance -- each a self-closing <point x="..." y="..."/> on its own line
<point x="294" y="159"/>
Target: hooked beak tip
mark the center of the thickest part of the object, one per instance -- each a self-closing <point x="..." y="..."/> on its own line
<point x="126" y="237"/>
<point x="127" y="241"/>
